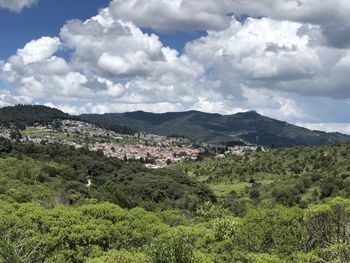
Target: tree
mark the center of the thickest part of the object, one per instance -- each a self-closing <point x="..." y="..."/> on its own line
<point x="254" y="193"/>
<point x="5" y="146"/>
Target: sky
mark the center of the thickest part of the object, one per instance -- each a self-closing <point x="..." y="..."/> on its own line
<point x="286" y="59"/>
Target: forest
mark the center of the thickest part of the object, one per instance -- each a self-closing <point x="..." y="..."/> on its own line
<point x="20" y="116"/>
<point x="59" y="204"/>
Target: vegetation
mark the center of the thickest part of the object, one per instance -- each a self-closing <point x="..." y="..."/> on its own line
<point x="21" y="116"/>
<point x="292" y="176"/>
<point x="237" y="129"/>
<point x="59" y="204"/>
<point x="56" y="174"/>
<point x="105" y="232"/>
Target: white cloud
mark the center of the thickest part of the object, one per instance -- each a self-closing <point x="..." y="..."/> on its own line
<point x="7" y="99"/>
<point x="165" y="15"/>
<point x="16" y="5"/>
<point x="267" y="53"/>
<point x="112" y="47"/>
<point x="189" y="15"/>
<point x="116" y="49"/>
<point x="328" y="127"/>
<point x="112" y="107"/>
<point x="70" y="109"/>
<point x="104" y="49"/>
<point x="39" y="50"/>
<point x="258" y="49"/>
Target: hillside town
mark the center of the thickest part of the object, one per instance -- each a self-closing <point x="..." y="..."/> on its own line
<point x="154" y="151"/>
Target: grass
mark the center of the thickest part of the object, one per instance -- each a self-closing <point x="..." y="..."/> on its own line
<point x="37" y="133"/>
<point x="224" y="189"/>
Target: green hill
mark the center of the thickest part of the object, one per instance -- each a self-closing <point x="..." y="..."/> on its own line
<point x="248" y="127"/>
<point x="30" y="114"/>
<point x="24" y="115"/>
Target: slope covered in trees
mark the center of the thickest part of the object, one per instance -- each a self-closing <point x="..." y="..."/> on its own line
<point x="21" y="116"/>
<point x="56" y="174"/>
<point x="30" y="114"/>
<point x="249" y="127"/>
<point x="290" y="176"/>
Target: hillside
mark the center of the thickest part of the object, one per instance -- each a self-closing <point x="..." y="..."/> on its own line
<point x="248" y="127"/>
<point x="58" y="174"/>
<point x="24" y="115"/>
<point x="29" y="114"/>
<point x="289" y="176"/>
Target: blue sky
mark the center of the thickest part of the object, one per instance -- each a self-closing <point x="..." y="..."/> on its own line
<point x="43" y="19"/>
<point x="48" y="16"/>
<point x="279" y="58"/>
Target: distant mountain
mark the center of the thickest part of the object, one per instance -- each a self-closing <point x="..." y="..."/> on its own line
<point x="247" y="127"/>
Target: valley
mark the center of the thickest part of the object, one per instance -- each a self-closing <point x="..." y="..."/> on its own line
<point x="76" y="191"/>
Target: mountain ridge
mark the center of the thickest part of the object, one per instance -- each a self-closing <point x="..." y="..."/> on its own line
<point x="212" y="128"/>
<point x="248" y="127"/>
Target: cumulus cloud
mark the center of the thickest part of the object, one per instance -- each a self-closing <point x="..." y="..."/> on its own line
<point x="116" y="49"/>
<point x="39" y="50"/>
<point x="103" y="50"/>
<point x="259" y="52"/>
<point x="175" y="15"/>
<point x="328" y="127"/>
<point x="120" y="107"/>
<point x="268" y="53"/>
<point x="36" y="72"/>
<point x="112" y="47"/>
<point x="8" y="99"/>
<point x="16" y="5"/>
<point x="190" y="15"/>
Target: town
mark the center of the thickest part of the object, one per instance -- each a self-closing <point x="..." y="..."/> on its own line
<point x="154" y="151"/>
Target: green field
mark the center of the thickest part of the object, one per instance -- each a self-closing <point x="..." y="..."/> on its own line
<point x="37" y="133"/>
<point x="224" y="189"/>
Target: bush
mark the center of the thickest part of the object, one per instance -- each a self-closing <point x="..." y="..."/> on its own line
<point x="172" y="249"/>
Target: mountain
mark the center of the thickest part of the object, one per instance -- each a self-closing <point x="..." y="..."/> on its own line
<point x="246" y="127"/>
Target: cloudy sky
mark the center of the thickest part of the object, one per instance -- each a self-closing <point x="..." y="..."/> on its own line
<point x="287" y="59"/>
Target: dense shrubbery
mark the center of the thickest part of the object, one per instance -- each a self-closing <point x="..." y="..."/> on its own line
<point x="107" y="233"/>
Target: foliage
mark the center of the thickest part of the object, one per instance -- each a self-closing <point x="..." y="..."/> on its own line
<point x="56" y="174"/>
<point x="286" y="208"/>
<point x="290" y="176"/>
